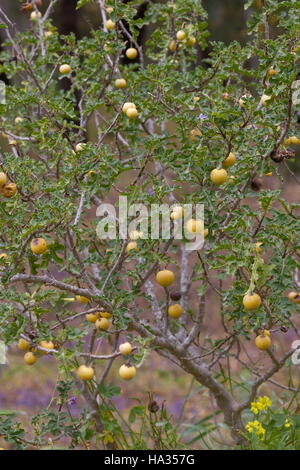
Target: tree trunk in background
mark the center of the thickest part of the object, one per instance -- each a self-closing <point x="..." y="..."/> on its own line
<point x="67" y="17"/>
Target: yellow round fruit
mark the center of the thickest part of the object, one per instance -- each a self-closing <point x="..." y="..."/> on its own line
<point x="251" y="301"/>
<point x="82" y="299"/>
<point x="271" y="71"/>
<point x="33" y="15"/>
<point x="294" y="296"/>
<point x="85" y="373"/>
<point x="102" y="324"/>
<point x="191" y="41"/>
<point x="46" y="345"/>
<point x="196" y="98"/>
<point x="294" y="140"/>
<point x="91" y="317"/>
<point x="110" y="25"/>
<point x="125" y="349"/>
<point x="104" y="314"/>
<point x="3" y="179"/>
<point x="270" y="173"/>
<point x="127" y="372"/>
<point x="263" y="342"/>
<point x="165" y="278"/>
<point x="109" y="10"/>
<point x="131" y="53"/>
<point x="230" y="160"/>
<point x="126" y="106"/>
<point x="29" y="358"/>
<point x="266" y="333"/>
<point x="38" y="246"/>
<point x="131" y="246"/>
<point x="225" y="96"/>
<point x="194" y="134"/>
<point x="18" y="120"/>
<point x="23" y="345"/>
<point x="48" y="34"/>
<point x="3" y="256"/>
<point x="172" y="46"/>
<point x="180" y="35"/>
<point x="264" y="99"/>
<point x="195" y="226"/>
<point x="9" y="190"/>
<point x="258" y="247"/>
<point x="79" y="147"/>
<point x="65" y="69"/>
<point x="175" y="311"/>
<point x="132" y="113"/>
<point x="120" y="83"/>
<point x="177" y="213"/>
<point x="218" y="176"/>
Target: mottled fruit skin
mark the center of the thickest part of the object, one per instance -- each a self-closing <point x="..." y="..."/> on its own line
<point x="127" y="372"/>
<point x="120" y="83"/>
<point x="131" y="53"/>
<point x="263" y="342"/>
<point x="132" y="113"/>
<point x="132" y="246"/>
<point x="127" y="105"/>
<point x="23" y="345"/>
<point x="218" y="176"/>
<point x="3" y="179"/>
<point x="230" y="160"/>
<point x="175" y="311"/>
<point x="91" y="317"/>
<point x="9" y="190"/>
<point x="251" y="301"/>
<point x="65" y="69"/>
<point x="125" y="349"/>
<point x="46" y="345"/>
<point x="165" y="278"/>
<point x="102" y="324"/>
<point x="85" y="373"/>
<point x="30" y="358"/>
<point x="38" y="246"/>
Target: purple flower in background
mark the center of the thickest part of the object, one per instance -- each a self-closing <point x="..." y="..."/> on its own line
<point x="150" y="190"/>
<point x="72" y="401"/>
<point x="202" y="116"/>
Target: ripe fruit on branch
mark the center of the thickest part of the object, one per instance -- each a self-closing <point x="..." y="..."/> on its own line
<point x="38" y="246"/>
<point x="82" y="299"/>
<point x="125" y="349"/>
<point x="172" y="46"/>
<point x="102" y="324"/>
<point x="33" y="15"/>
<point x="218" y="176"/>
<point x="180" y="35"/>
<point x="126" y="106"/>
<point x="132" y="113"/>
<point x="251" y="301"/>
<point x="191" y="41"/>
<point x="120" y="83"/>
<point x="110" y="25"/>
<point x="18" y="120"/>
<point x="264" y="99"/>
<point x="46" y="345"/>
<point x="131" y="53"/>
<point x="29" y="358"/>
<point x="230" y="160"/>
<point x="3" y="256"/>
<point x="132" y="246"/>
<point x="104" y="314"/>
<point x="8" y="190"/>
<point x="23" y="345"/>
<point x="177" y="213"/>
<point x="263" y="341"/>
<point x="165" y="278"/>
<point x="109" y="10"/>
<point x="127" y="372"/>
<point x="85" y="373"/>
<point x="3" y="179"/>
<point x="271" y="71"/>
<point x="175" y="311"/>
<point x="65" y="69"/>
<point x="91" y="317"/>
<point x="294" y="297"/>
<point x="80" y="147"/>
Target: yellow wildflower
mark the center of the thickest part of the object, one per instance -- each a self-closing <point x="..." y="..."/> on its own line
<point x="259" y="430"/>
<point x="287" y="423"/>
